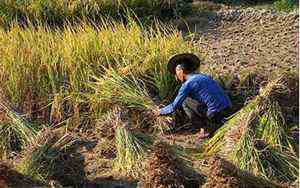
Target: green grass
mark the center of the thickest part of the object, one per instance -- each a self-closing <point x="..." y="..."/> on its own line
<point x="286" y="5"/>
<point x="277" y="5"/>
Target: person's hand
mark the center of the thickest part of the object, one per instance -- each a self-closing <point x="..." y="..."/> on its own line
<point x="169" y="120"/>
<point x="156" y="111"/>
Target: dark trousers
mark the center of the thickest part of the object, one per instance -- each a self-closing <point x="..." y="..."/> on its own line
<point x="197" y="113"/>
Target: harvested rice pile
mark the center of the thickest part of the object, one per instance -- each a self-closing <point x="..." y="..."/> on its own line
<point x="256" y="140"/>
<point x="50" y="157"/>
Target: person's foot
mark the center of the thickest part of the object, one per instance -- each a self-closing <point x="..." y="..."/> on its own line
<point x="202" y="134"/>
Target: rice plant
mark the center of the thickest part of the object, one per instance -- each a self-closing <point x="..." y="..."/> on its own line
<point x="123" y="90"/>
<point x="51" y="68"/>
<point x="130" y="151"/>
<point x="164" y="82"/>
<point x="16" y="132"/>
<point x="131" y="147"/>
<point x="39" y="159"/>
<point x="130" y="92"/>
<point x="257" y="128"/>
<point x="273" y="128"/>
<point x="279" y="165"/>
<point x="59" y="12"/>
<point x="247" y="116"/>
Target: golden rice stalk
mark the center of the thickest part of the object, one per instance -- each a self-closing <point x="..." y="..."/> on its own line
<point x="131" y="147"/>
<point x="16" y="133"/>
<point x="38" y="160"/>
<point x="261" y="119"/>
<point x="130" y="92"/>
<point x="229" y="133"/>
<point x="273" y="128"/>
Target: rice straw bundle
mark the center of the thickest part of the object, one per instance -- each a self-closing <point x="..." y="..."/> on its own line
<point x="257" y="128"/>
<point x="17" y="132"/>
<point x="131" y="147"/>
<point x="130" y="92"/>
<point x="39" y="159"/>
<point x="272" y="128"/>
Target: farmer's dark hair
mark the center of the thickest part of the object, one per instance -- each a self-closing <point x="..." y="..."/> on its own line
<point x="186" y="69"/>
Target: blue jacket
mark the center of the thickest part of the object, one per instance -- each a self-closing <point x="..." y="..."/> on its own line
<point x="203" y="89"/>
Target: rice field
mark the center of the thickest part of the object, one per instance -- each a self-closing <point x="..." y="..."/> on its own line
<point x="76" y="109"/>
<point x="65" y="12"/>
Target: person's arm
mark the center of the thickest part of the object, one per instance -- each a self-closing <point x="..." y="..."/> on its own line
<point x="181" y="96"/>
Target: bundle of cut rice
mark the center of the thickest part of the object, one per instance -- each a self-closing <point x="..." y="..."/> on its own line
<point x="131" y="146"/>
<point x="39" y="160"/>
<point x="130" y="92"/>
<point x="15" y="131"/>
<point x="260" y="121"/>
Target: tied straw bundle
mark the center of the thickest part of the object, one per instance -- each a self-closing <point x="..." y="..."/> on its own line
<point x="131" y="146"/>
<point x="128" y="91"/>
<point x="255" y="138"/>
<point x="39" y="160"/>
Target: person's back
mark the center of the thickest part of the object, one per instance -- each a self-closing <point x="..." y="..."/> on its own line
<point x="208" y="91"/>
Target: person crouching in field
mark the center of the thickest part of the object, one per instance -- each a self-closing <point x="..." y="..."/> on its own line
<point x="200" y="96"/>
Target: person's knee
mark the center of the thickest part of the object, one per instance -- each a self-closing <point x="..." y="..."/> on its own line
<point x="190" y="107"/>
<point x="188" y="103"/>
<point x="184" y="104"/>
